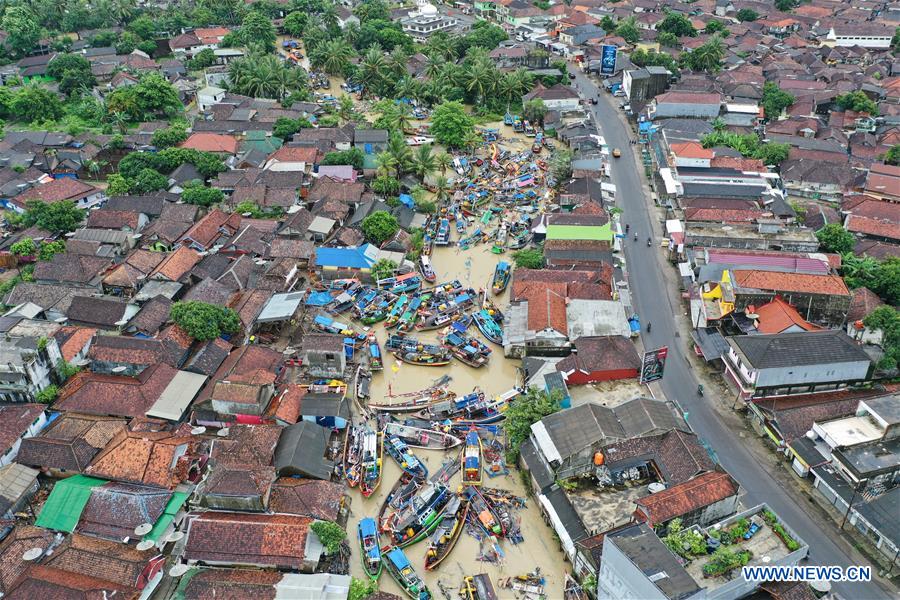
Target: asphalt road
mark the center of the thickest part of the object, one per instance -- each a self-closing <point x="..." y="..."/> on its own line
<point x="653" y="305"/>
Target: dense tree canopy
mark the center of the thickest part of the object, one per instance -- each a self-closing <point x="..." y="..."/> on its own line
<point x="834" y="238"/>
<point x="677" y="24"/>
<point x="775" y="100"/>
<point x="34" y="104"/>
<point x="857" y="101"/>
<point x="379" y="227"/>
<point x="56" y="217"/>
<point x="204" y="321"/>
<point x="22" y="28"/>
<point x="451" y="125"/>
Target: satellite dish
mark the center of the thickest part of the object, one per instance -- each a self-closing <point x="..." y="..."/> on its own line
<point x="145" y="545"/>
<point x="767" y="559"/>
<point x="198" y="430"/>
<point x="811" y="435"/>
<point x="33" y="554"/>
<point x="120" y="368"/>
<point x="143" y="529"/>
<point x="175" y="536"/>
<point x="223" y="432"/>
<point x="178" y="570"/>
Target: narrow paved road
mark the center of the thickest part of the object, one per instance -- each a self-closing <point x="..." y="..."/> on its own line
<point x="653" y="305"/>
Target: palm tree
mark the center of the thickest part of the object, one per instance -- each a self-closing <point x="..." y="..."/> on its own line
<point x="401" y="153"/>
<point x="424" y="162"/>
<point x="405" y="88"/>
<point x="442" y="189"/>
<point x="345" y="108"/>
<point x="397" y="60"/>
<point x="384" y="163"/>
<point x="442" y="162"/>
<point x="372" y="68"/>
<point x="334" y="56"/>
<point x="508" y="88"/>
<point x="482" y="78"/>
<point x="473" y="140"/>
<point x="119" y="119"/>
<point x="433" y="65"/>
<point x="708" y="57"/>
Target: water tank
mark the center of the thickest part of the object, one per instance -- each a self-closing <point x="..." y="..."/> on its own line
<point x="655" y="487"/>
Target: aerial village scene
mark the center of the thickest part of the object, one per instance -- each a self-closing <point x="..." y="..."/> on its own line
<point x="472" y="299"/>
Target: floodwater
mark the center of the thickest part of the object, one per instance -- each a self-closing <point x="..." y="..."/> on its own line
<point x="473" y="267"/>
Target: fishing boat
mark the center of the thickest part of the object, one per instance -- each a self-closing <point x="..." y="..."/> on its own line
<point x="484" y="513"/>
<point x="520" y="240"/>
<point x="478" y="587"/>
<point x="499" y="505"/>
<point x="399" y="496"/>
<point x="485" y="412"/>
<point x="420" y="516"/>
<point x="370" y="551"/>
<point x="443" y="233"/>
<point x="372" y="450"/>
<point x="353" y="449"/>
<point x="396" y="310"/>
<point x="501" y="277"/>
<point x="409" y="282"/>
<point x="364" y="300"/>
<point x="467" y="349"/>
<point x="450" y="408"/>
<point x="378" y="310"/>
<point x="500" y="239"/>
<point x="488" y="326"/>
<point x="427" y="270"/>
<point x="462" y="223"/>
<point x="401" y="570"/>
<point x="445" y="535"/>
<point x="423" y="401"/>
<point x="417" y="437"/>
<point x="471" y="459"/>
<point x="491" y="308"/>
<point x="363" y="384"/>
<point x="407" y="320"/>
<point x="399" y="451"/>
<point x="375" y="362"/>
<point x="426" y="355"/>
<point x="328" y="325"/>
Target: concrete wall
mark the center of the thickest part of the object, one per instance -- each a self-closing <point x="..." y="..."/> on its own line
<point x="677" y="109"/>
<point x="813" y="374"/>
<point x="620" y="579"/>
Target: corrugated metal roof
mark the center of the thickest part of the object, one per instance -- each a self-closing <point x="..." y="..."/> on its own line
<point x="796" y="264"/>
<point x="177" y="396"/>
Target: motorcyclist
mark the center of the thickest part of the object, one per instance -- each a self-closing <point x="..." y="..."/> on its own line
<point x="649" y="327"/>
<point x="648" y="241"/>
<point x="700" y="389"/>
<point x="627" y="227"/>
<point x="635" y="236"/>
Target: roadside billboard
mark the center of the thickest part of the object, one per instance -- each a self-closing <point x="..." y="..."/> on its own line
<point x="653" y="364"/>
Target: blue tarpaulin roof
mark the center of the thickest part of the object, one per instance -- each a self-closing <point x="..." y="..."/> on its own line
<point x="407" y="200"/>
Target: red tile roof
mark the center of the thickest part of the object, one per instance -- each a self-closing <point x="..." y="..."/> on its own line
<point x="791" y="282"/>
<point x="44" y="582"/>
<point x="862" y="302"/>
<point x="72" y="340"/>
<point x="15" y="419"/>
<point x="883" y="180"/>
<point x="305" y="154"/>
<point x="701" y="491"/>
<point x="307" y="497"/>
<point x="778" y="316"/>
<point x="70" y="442"/>
<point x="601" y="353"/>
<point x="208" y="229"/>
<point x="116" y="395"/>
<point x="64" y="188"/>
<point x="250" y="539"/>
<point x="691" y="150"/>
<point x="177" y="264"/>
<point x="689" y="98"/>
<point x="547" y="308"/>
<point x="211" y="142"/>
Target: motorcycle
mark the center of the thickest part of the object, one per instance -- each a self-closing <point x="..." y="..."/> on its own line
<point x="700" y="390"/>
<point x="635" y="237"/>
<point x="648" y="242"/>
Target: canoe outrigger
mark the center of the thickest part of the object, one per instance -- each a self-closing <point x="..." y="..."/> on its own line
<point x="401" y="570"/>
<point x="445" y="535"/>
<point x="369" y="549"/>
<point x="488" y="326"/>
<point x="471" y="459"/>
<point x="417" y="437"/>
<point x="407" y="461"/>
<point x="420" y="516"/>
<point x="371" y="461"/>
<point x="501" y="277"/>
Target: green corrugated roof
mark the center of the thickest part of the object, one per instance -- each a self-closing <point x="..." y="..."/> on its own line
<point x="66" y="502"/>
<point x="602" y="233"/>
<point x="172" y="507"/>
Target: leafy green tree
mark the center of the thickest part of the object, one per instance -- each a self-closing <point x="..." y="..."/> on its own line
<point x="116" y="185"/>
<point x="887" y="281"/>
<point x="257" y="30"/>
<point x="785" y="5"/>
<point x="715" y="26"/>
<point x="647" y="58"/>
<point x="523" y="412"/>
<point x="50" y="249"/>
<point x="887" y="320"/>
<point x="67" y="62"/>
<point x="892" y="156"/>
<point x="56" y="217"/>
<point x="353" y="156"/>
<point x="561" y="167"/>
<point x="24" y="247"/>
<point x="204" y="321"/>
<point x="670" y="40"/>
<point x="676" y="24"/>
<point x="148" y="180"/>
<point x="76" y="82"/>
<point x="775" y="100"/>
<point x="746" y="14"/>
<point x="333" y="56"/>
<point x="482" y="35"/>
<point x="383" y="268"/>
<point x="627" y="30"/>
<point x="285" y="127"/>
<point x="773" y="153"/>
<point x="295" y="23"/>
<point x="372" y="10"/>
<point x="35" y="104"/>
<point x="385" y="185"/>
<point x="330" y="534"/>
<point x="379" y="227"/>
<point x="169" y="136"/>
<point x="202" y="60"/>
<point x="202" y="196"/>
<point x="834" y="238"/>
<point x="360" y="589"/>
<point x="450" y="124"/>
<point x="47" y="395"/>
<point x="531" y="258"/>
<point x="857" y="101"/>
<point x="127" y="42"/>
<point x="22" y="28"/>
<point x="534" y="110"/>
<point x="266" y="76"/>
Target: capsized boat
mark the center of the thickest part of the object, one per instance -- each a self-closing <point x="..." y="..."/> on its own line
<point x="501" y="277"/>
<point x="445" y="535"/>
<point x="401" y="570"/>
<point x="427" y="270"/>
<point x="417" y="437"/>
<point x="370" y="551"/>
<point x="478" y="587"/>
<point x="420" y="516"/>
<point x="489" y="327"/>
<point x="372" y="446"/>
<point x="484" y="513"/>
<point x="399" y="451"/>
<point x="471" y="459"/>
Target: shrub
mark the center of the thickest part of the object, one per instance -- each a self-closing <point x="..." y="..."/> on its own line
<point x="330" y="534"/>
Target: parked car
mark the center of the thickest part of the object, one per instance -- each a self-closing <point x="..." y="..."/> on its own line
<point x="619" y="92"/>
<point x="593" y="101"/>
<point x="571" y="75"/>
<point x="617" y="153"/>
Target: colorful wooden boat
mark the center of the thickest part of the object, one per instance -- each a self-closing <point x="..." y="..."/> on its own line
<point x="445" y="535"/>
<point x="426" y="269"/>
<point x="328" y="325"/>
<point x="415" y="521"/>
<point x="396" y="310"/>
<point x="478" y="587"/>
<point x="500" y="239"/>
<point x="501" y="277"/>
<point x="417" y="437"/>
<point x="363" y="384"/>
<point x="471" y="459"/>
<point x="426" y="356"/>
<point x="365" y="299"/>
<point x="450" y="408"/>
<point x="353" y="449"/>
<point x="467" y="349"/>
<point x="399" y="496"/>
<point x="399" y="284"/>
<point x="372" y="456"/>
<point x="484" y="513"/>
<point x="401" y="570"/>
<point x="407" y="461"/>
<point x="369" y="549"/>
<point x="375" y="362"/>
<point x="443" y="233"/>
<point x="490" y="328"/>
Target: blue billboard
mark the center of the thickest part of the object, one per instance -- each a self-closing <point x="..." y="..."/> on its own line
<point x="608" y="60"/>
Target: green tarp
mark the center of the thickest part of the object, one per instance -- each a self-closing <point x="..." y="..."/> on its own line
<point x="172" y="507"/>
<point x="601" y="233"/>
<point x="66" y="502"/>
